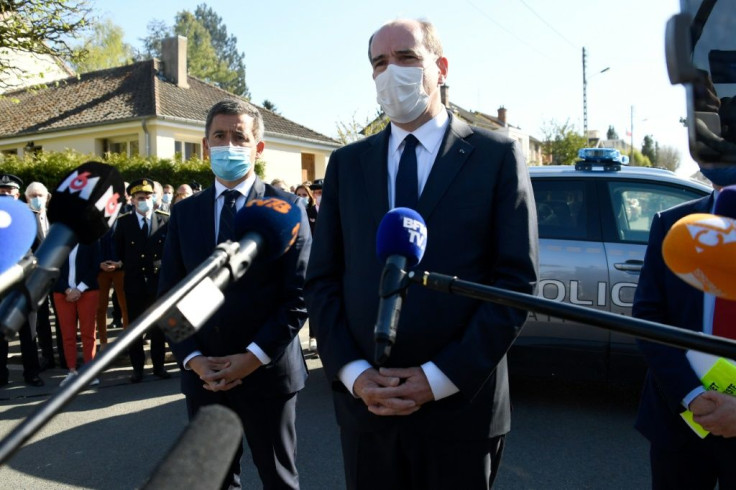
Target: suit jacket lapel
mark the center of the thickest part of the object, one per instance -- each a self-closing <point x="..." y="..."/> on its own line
<point x="257" y="190"/>
<point x="453" y="153"/>
<point x="375" y="174"/>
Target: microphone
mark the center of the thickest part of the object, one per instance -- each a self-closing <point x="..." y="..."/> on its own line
<point x="400" y="244"/>
<point x="18" y="229"/>
<point x="201" y="457"/>
<point x="269" y="227"/>
<point x="85" y="205"/>
<point x="701" y="248"/>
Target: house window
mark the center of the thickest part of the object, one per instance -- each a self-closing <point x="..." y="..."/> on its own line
<point x="124" y="147"/>
<point x="187" y="150"/>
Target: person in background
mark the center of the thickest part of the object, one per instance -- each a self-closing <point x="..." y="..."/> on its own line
<point x="168" y="198"/>
<point x="316" y="188"/>
<point x="305" y="194"/>
<point x="182" y="192"/>
<point x="436" y="414"/>
<point x="10" y="189"/>
<point x="75" y="297"/>
<point x="38" y="197"/>
<point x="195" y="186"/>
<point x="247" y="356"/>
<point x="158" y="195"/>
<point x="111" y="274"/>
<point x="139" y="241"/>
<point x="280" y="184"/>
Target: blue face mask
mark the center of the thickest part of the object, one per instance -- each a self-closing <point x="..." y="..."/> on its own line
<point x="36" y="203"/>
<point x="144" y="206"/>
<point x="723" y="176"/>
<point x="305" y="201"/>
<point x="230" y="162"/>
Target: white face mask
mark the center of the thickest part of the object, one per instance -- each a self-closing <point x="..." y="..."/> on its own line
<point x="145" y="206"/>
<point x="37" y="203"/>
<point x="317" y="200"/>
<point x="400" y="92"/>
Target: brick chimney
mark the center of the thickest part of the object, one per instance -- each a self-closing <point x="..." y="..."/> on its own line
<point x="174" y="59"/>
<point x="445" y="95"/>
<point x="502" y="115"/>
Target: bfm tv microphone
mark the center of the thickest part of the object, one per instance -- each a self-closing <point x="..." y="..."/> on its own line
<point x="85" y="205"/>
<point x="400" y="244"/>
<point x="701" y="248"/>
<point x="269" y="227"/>
<point x="18" y="229"/>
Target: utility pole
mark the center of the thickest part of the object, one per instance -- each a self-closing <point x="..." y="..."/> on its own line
<point x="585" y="98"/>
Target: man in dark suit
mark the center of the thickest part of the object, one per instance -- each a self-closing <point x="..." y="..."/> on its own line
<point x="679" y="458"/>
<point x="437" y="415"/>
<point x="139" y="241"/>
<point x="247" y="356"/>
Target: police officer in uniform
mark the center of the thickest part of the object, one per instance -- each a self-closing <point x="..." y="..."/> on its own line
<point x="139" y="239"/>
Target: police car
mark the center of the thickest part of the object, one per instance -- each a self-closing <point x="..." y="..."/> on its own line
<point x="594" y="221"/>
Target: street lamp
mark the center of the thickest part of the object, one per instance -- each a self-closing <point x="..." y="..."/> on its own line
<point x="585" y="93"/>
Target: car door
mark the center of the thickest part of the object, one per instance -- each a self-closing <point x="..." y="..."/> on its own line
<point x="628" y="210"/>
<point x="572" y="270"/>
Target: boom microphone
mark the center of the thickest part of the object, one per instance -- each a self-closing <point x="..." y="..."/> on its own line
<point x="700" y="248"/>
<point x="85" y="205"/>
<point x="17" y="231"/>
<point x="269" y="227"/>
<point x="201" y="457"/>
<point x="400" y="244"/>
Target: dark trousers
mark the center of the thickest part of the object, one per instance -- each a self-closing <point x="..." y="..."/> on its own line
<point x="43" y="330"/>
<point x="698" y="465"/>
<point x="137" y="304"/>
<point x="400" y="459"/>
<point x="28" y="352"/>
<point x="269" y="425"/>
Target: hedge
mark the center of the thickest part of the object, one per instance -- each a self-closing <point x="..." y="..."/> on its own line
<point x="50" y="167"/>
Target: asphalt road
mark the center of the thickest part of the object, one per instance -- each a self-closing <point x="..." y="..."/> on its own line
<point x="564" y="435"/>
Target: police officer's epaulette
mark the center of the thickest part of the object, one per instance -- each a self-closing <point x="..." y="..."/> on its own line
<point x="160" y="211"/>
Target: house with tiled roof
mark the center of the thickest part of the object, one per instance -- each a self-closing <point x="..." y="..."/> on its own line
<point x="150" y="108"/>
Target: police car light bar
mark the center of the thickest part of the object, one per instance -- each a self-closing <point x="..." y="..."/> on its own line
<point x="608" y="159"/>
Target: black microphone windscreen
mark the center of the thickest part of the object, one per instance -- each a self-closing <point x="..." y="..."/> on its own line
<point x="202" y="456"/>
<point x="88" y="200"/>
<point x="17" y="231"/>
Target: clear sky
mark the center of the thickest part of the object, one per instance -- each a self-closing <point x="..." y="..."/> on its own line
<point x="310" y="58"/>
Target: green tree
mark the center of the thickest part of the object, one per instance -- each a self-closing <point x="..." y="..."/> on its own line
<point x="637" y="159"/>
<point x="562" y="142"/>
<point x="649" y="148"/>
<point x="211" y="53"/>
<point x="267" y="104"/>
<point x="104" y="48"/>
<point x="611" y="134"/>
<point x="352" y="130"/>
<point x="226" y="47"/>
<point x="40" y="27"/>
<point x="668" y="157"/>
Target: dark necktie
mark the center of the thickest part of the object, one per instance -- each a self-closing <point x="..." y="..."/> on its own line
<point x="144" y="228"/>
<point x="407" y="193"/>
<point x="724" y="318"/>
<point x="227" y="217"/>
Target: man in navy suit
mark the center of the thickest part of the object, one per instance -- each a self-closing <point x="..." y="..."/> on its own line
<point x="436" y="416"/>
<point x="247" y="356"/>
<point x="679" y="458"/>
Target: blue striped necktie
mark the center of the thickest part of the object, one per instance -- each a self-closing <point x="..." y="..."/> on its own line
<point x="227" y="217"/>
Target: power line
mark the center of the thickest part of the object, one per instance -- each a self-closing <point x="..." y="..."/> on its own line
<point x="549" y="25"/>
<point x="522" y="41"/>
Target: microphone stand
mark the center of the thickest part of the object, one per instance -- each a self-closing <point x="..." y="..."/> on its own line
<point x="657" y="332"/>
<point x="227" y="261"/>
